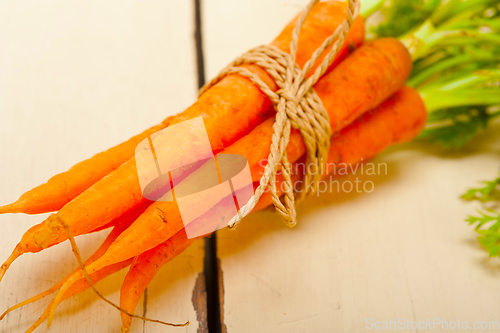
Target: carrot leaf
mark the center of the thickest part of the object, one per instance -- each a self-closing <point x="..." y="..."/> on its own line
<point x="454" y="127"/>
<point x="487" y="224"/>
<point x="402" y="15"/>
<point x="488" y="228"/>
<point x="487" y="193"/>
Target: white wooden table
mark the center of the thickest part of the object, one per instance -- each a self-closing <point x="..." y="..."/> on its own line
<point x="77" y="78"/>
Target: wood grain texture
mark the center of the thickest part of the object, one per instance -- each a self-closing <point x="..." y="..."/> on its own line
<point x="402" y="251"/>
<point x="231" y="28"/>
<point x="77" y="78"/>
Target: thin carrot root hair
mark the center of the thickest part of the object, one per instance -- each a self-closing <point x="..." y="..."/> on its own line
<point x="119" y="224"/>
<point x="41" y="319"/>
<point x="117" y="229"/>
<point x="79" y="287"/>
<point x="5" y="266"/>
<point x="59" y="296"/>
<point x="30" y="300"/>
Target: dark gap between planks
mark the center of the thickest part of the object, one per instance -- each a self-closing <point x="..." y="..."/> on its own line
<point x="210" y="269"/>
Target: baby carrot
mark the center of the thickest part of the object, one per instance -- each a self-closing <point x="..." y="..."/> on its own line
<point x="64" y="187"/>
<point x="347" y="92"/>
<point x="235" y="98"/>
<point x="143" y="270"/>
<point x="387" y="52"/>
<point x="400" y="118"/>
<point x="234" y="94"/>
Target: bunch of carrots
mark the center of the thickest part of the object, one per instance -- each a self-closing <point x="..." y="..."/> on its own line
<point x="370" y="109"/>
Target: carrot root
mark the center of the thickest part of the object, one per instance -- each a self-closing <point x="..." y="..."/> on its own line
<point x="28" y="301"/>
<point x="58" y="298"/>
<point x="5" y="266"/>
<point x="40" y="320"/>
<point x="10" y="208"/>
<point x="79" y="287"/>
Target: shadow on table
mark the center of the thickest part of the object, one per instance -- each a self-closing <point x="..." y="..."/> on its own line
<point x="487" y="141"/>
<point x="490" y="264"/>
<point x="259" y="224"/>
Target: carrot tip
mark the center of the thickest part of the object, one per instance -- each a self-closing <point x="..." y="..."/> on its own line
<point x="125" y="329"/>
<point x="51" y="317"/>
<point x="4" y="314"/>
<point x="28" y="301"/>
<point x="59" y="296"/>
<point x="10" y="208"/>
<point x="52" y="313"/>
<point x="5" y="266"/>
<point x="39" y="321"/>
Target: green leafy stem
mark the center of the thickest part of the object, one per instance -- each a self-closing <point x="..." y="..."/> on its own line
<point x="487" y="224"/>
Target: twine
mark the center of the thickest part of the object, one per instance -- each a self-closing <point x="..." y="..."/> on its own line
<point x="297" y="106"/>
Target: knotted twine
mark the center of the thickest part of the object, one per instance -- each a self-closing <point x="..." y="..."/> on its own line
<point x="297" y="106"/>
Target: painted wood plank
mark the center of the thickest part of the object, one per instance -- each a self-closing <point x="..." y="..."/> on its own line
<point x="232" y="27"/>
<point x="77" y="78"/>
<point x="402" y="251"/>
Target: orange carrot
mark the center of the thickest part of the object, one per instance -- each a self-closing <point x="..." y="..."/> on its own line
<point x="119" y="224"/>
<point x="235" y="98"/>
<point x="162" y="219"/>
<point x="400" y="118"/>
<point x="233" y="95"/>
<point x="241" y="101"/>
<point x="144" y="269"/>
<point x="64" y="187"/>
<point x="373" y="73"/>
<point x="347" y="92"/>
<point x="320" y="12"/>
<point x="149" y="263"/>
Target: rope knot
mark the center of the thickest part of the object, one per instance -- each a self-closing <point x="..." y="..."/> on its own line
<point x="288" y="96"/>
<point x="297" y="106"/>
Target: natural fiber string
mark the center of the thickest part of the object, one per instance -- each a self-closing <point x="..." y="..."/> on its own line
<point x="297" y="106"/>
